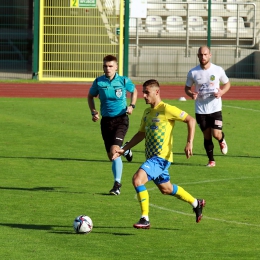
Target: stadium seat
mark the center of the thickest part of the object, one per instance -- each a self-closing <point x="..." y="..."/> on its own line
<point x="171" y="6"/>
<point x="132" y="25"/>
<point x="233" y="7"/>
<point x="196" y="25"/>
<point x="174" y="24"/>
<point x="233" y="24"/>
<point x="216" y="5"/>
<point x="195" y="6"/>
<point x="154" y="23"/>
<point x="217" y="26"/>
<point x="155" y="5"/>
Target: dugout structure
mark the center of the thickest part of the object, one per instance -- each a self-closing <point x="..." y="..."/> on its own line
<point x="75" y="35"/>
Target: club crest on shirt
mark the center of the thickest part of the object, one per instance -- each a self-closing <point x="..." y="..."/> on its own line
<point x="212" y="77"/>
<point x="119" y="93"/>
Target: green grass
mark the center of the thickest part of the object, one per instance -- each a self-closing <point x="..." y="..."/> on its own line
<point x="54" y="168"/>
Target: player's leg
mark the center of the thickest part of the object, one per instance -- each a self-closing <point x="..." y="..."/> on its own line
<point x="122" y="130"/>
<point x="217" y="132"/>
<point x="139" y="180"/>
<point x="117" y="169"/>
<point x="204" y="124"/>
<point x="120" y="127"/>
<point x="108" y="134"/>
<point x="177" y="191"/>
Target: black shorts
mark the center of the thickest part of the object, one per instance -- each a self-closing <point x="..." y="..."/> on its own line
<point x="113" y="130"/>
<point x="213" y="120"/>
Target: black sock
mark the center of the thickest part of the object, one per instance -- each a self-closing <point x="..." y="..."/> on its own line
<point x="209" y="146"/>
<point x="221" y="140"/>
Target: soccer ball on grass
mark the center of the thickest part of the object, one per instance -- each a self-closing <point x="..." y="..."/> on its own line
<point x="83" y="224"/>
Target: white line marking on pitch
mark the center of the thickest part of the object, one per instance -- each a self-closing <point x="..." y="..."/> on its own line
<point x="205" y="217"/>
<point x="255" y="110"/>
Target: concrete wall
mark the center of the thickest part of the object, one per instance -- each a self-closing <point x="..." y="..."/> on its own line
<point x="171" y="62"/>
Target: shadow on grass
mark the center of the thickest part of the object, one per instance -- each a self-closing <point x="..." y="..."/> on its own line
<point x="45" y="189"/>
<point x="32" y="226"/>
<point x="133" y="162"/>
<point x="52" y="228"/>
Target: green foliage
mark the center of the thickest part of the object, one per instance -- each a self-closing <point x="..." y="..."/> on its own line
<point x="54" y="168"/>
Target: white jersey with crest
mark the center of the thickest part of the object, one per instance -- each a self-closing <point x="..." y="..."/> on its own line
<point x="207" y="82"/>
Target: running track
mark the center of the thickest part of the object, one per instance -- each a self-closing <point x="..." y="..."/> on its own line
<point x="79" y="90"/>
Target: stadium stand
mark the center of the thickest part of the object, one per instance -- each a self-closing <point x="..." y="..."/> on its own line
<point x="174" y="23"/>
<point x="232" y="27"/>
<point x="135" y="23"/>
<point x="169" y="23"/>
<point x="176" y="7"/>
<point x="217" y="26"/>
<point x="216" y="5"/>
<point x="154" y="24"/>
<point x="196" y="26"/>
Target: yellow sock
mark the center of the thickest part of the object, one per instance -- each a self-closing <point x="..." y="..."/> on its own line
<point x="184" y="195"/>
<point x="143" y="198"/>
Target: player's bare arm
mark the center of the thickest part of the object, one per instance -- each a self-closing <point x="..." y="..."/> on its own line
<point x="93" y="111"/>
<point x="224" y="89"/>
<point x="190" y="93"/>
<point x="191" y="124"/>
<point x="133" y="99"/>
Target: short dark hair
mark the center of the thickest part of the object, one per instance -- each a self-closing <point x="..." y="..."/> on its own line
<point x="151" y="82"/>
<point x="109" y="58"/>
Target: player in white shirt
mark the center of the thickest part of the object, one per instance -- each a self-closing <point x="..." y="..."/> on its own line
<point x="206" y="78"/>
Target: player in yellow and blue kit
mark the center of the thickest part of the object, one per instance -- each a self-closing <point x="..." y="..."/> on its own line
<point x="157" y="129"/>
<point x="112" y="89"/>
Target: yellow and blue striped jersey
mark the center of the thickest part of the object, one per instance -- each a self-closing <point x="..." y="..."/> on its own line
<point x="158" y="124"/>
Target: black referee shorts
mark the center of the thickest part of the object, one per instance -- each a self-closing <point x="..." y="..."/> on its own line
<point x="113" y="130"/>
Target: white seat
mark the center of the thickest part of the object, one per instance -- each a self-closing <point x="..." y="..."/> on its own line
<point x="217" y="26"/>
<point x="216" y="5"/>
<point x="174" y="23"/>
<point x="233" y="24"/>
<point x="194" y="6"/>
<point x="170" y="5"/>
<point x="196" y="24"/>
<point x="233" y="7"/>
<point x="132" y="25"/>
<point x="155" y="5"/>
<point x="154" y="23"/>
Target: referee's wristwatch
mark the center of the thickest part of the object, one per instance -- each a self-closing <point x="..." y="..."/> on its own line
<point x="132" y="105"/>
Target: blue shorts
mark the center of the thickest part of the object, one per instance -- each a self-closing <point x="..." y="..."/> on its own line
<point x="156" y="169"/>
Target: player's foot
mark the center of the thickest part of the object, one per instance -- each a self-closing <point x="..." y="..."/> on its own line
<point x="198" y="209"/>
<point x="223" y="147"/>
<point x="128" y="154"/>
<point x="142" y="223"/>
<point x="116" y="188"/>
<point x="211" y="164"/>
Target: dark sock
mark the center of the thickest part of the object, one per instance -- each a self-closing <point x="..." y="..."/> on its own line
<point x="221" y="140"/>
<point x="209" y="146"/>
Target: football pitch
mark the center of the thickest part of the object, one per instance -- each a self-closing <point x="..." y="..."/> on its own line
<point x="54" y="167"/>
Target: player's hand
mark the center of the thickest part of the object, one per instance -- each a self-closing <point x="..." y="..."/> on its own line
<point x="129" y="110"/>
<point x="194" y="95"/>
<point x="188" y="150"/>
<point x="118" y="153"/>
<point x="95" y="117"/>
<point x="219" y="93"/>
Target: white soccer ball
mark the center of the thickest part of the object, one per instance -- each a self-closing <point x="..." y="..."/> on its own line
<point x="83" y="224"/>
